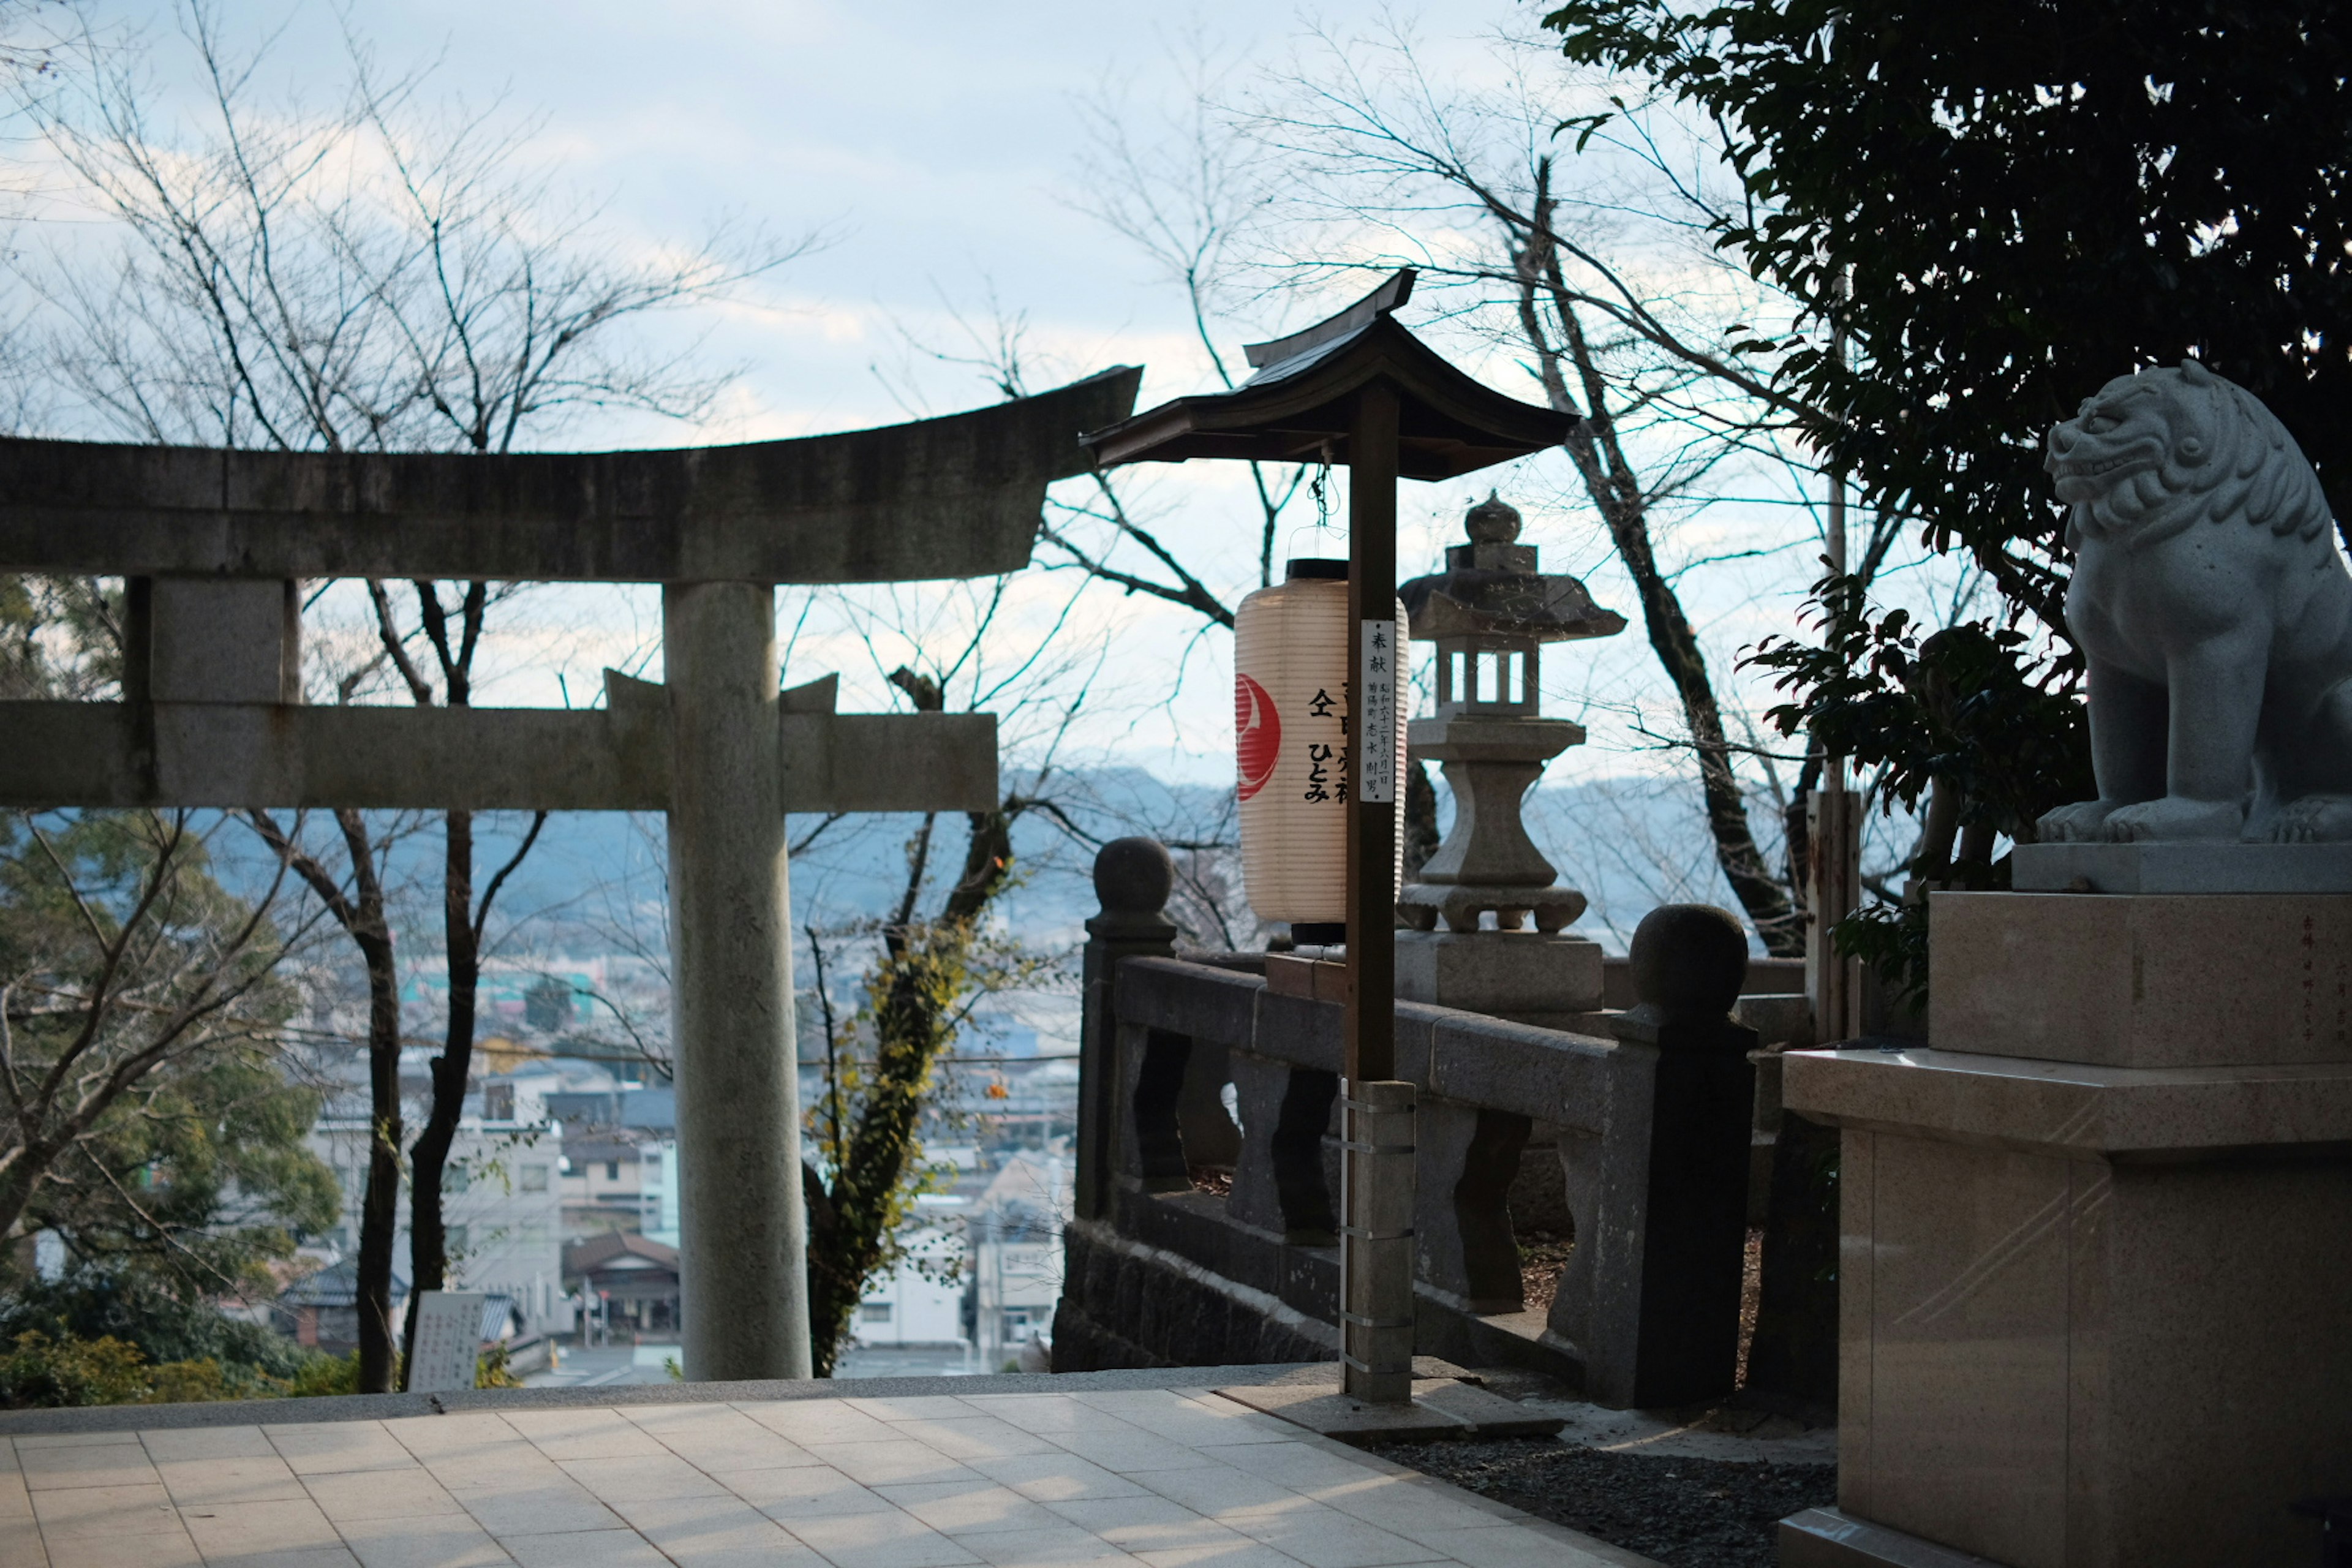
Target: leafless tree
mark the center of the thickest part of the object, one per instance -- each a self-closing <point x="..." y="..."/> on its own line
<point x="1581" y="256"/>
<point x="941" y="948"/>
<point x="123" y="959"/>
<point x="386" y="274"/>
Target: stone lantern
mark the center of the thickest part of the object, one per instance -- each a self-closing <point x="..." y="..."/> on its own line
<point x="1490" y="612"/>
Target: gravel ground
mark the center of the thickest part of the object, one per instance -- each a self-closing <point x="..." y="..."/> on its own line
<point x="1686" y="1513"/>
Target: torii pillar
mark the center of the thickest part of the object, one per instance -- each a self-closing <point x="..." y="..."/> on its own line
<point x="212" y="543"/>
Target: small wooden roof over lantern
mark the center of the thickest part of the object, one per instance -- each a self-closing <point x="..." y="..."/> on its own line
<point x="1300" y="406"/>
<point x="1357" y="389"/>
<point x="1490" y="610"/>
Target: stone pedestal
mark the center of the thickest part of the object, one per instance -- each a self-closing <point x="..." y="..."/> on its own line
<point x="2092" y="1285"/>
<point x="1531" y="977"/>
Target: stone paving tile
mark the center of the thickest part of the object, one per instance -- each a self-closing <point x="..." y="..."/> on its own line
<point x="1311" y="1469"/>
<point x="915" y="1407"/>
<point x="443" y="1540"/>
<point x="813" y="1421"/>
<point x="583" y="1434"/>
<point x="492" y="1468"/>
<point x="1055" y="1545"/>
<point x="16" y="1500"/>
<point x="451" y="1437"/>
<point x="801" y="1491"/>
<point x="1142" y="1524"/>
<point x="192" y="1481"/>
<point x="1125" y="1480"/>
<point x="963" y="1508"/>
<point x="716" y="1532"/>
<point x="718" y="1437"/>
<point x="1218" y="1491"/>
<point x="975" y="1438"/>
<point x="250" y="1529"/>
<point x="586" y="1549"/>
<point x="291" y="1557"/>
<point x="1222" y="1554"/>
<point x="665" y="1474"/>
<point x="1409" y="1505"/>
<point x="89" y="1464"/>
<point x="1322" y="1537"/>
<point x="1058" y="1476"/>
<point x="98" y="1511"/>
<point x="322" y="1447"/>
<point x="559" y="1510"/>
<point x="20" y="1543"/>
<point x="70" y="1441"/>
<point x="1047" y="1413"/>
<point x="1134" y="1450"/>
<point x="898" y="1459"/>
<point x="351" y="1497"/>
<point x="174" y="1550"/>
<point x="1186" y="1420"/>
<point x="889" y="1540"/>
<point x="1510" y="1546"/>
<point x="207" y="1443"/>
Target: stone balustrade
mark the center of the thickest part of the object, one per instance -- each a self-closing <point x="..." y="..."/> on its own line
<point x="1206" y="1235"/>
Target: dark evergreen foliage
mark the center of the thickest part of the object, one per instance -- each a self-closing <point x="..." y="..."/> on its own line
<point x="2026" y="198"/>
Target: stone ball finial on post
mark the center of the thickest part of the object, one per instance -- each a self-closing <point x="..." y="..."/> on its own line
<point x="1134" y="877"/>
<point x="1689" y="962"/>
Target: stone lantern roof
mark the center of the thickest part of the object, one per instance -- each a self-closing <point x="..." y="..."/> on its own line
<point x="1490" y="587"/>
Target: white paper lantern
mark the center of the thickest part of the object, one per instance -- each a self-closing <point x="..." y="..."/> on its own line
<point x="1291" y="752"/>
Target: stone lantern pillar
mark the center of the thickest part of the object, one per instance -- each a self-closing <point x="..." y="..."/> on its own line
<point x="1489" y="613"/>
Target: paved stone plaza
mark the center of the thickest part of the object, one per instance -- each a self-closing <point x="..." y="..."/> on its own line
<point x="1172" y="1477"/>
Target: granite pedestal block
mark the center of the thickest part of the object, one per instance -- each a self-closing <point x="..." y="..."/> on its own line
<point x="1506" y="974"/>
<point x="2092" y="1311"/>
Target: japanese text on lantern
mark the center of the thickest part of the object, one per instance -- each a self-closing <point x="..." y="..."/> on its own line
<point x="1376" y="737"/>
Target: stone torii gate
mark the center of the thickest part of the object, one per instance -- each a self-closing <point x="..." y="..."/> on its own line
<point x="213" y="544"/>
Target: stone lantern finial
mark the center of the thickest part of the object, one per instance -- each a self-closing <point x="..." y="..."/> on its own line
<point x="1492" y="522"/>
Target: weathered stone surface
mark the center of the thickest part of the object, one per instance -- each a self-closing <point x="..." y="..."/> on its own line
<point x="2215" y="613"/>
<point x="1190" y="999"/>
<point x="2192" y="868"/>
<point x="101" y="754"/>
<point x="2213" y="980"/>
<point x="1500" y="973"/>
<point x="956" y="496"/>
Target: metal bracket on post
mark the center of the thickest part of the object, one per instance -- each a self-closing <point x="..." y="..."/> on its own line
<point x="1376" y="1240"/>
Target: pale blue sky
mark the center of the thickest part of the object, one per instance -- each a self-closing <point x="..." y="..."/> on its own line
<point x="940" y="147"/>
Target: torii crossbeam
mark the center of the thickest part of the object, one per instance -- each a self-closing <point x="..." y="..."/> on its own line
<point x="212" y="545"/>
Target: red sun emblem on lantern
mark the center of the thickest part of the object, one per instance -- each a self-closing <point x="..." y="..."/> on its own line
<point x="1257" y="735"/>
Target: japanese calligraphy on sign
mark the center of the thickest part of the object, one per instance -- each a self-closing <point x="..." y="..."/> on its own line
<point x="448" y="1336"/>
<point x="1376" y="737"/>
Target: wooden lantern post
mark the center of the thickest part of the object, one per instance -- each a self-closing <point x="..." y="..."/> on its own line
<point x="1360" y="389"/>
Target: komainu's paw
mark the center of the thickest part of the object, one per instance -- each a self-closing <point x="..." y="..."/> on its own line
<point x="2314" y="819"/>
<point x="2176" y="817"/>
<point x="2077" y="824"/>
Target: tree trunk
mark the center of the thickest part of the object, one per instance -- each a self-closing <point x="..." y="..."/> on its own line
<point x="1762" y="895"/>
<point x="380" y="1208"/>
<point x="428" y="1231"/>
<point x="913" y="1027"/>
<point x="1616" y="492"/>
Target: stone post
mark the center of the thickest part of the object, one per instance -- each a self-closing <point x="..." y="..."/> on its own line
<point x="1132" y="879"/>
<point x="1376" y="1241"/>
<point x="1667" y="1270"/>
<point x="744" y="1234"/>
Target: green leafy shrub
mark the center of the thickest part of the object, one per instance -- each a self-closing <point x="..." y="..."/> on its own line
<point x="42" y="1373"/>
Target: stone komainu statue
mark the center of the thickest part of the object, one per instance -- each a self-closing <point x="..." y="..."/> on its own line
<point x="2215" y="613"/>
